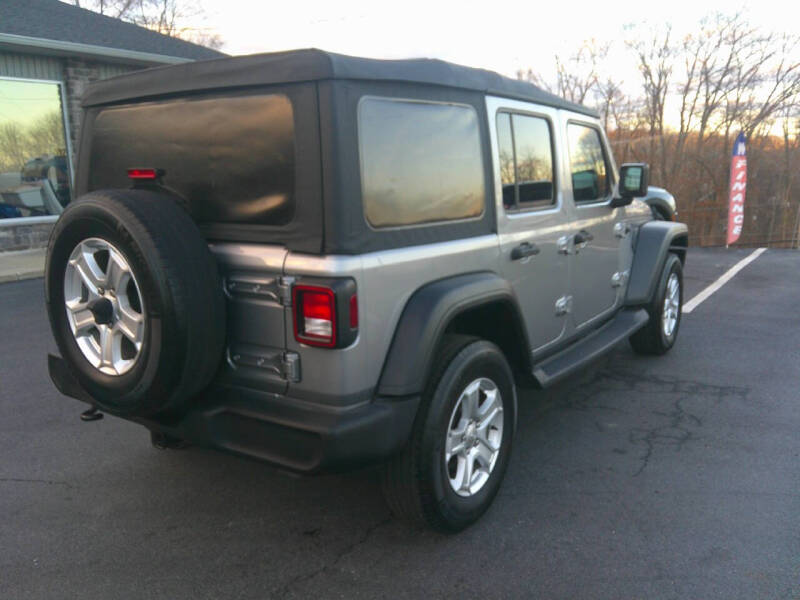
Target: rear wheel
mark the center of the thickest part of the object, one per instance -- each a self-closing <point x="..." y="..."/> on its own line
<point x="660" y="333"/>
<point x="452" y="468"/>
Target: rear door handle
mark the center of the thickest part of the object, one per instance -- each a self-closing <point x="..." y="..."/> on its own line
<point x="524" y="250"/>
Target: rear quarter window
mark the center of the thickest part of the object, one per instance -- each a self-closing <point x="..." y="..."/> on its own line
<point x="421" y="162"/>
<point x="231" y="158"/>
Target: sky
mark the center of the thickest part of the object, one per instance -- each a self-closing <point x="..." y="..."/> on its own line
<point x="25" y="101"/>
<point x="501" y="36"/>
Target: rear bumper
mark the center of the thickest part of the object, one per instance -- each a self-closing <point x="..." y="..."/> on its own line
<point x="289" y="433"/>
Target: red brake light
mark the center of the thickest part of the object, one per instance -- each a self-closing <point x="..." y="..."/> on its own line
<point x="314" y="315"/>
<point x="317" y="305"/>
<point x="151" y="174"/>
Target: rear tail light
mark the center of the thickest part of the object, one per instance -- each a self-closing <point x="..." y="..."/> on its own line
<point x="315" y="315"/>
<point x="145" y="174"/>
<point x="325" y="315"/>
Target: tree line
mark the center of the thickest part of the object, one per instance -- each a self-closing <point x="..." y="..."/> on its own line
<point x="21" y="142"/>
<point x="685" y="106"/>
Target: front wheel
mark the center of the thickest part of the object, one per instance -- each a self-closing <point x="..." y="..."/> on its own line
<point x="660" y="333"/>
<point x="458" y="453"/>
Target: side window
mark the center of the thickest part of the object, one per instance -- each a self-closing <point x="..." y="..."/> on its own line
<point x="526" y="161"/>
<point x="421" y="162"/>
<point x="505" y="145"/>
<point x="587" y="164"/>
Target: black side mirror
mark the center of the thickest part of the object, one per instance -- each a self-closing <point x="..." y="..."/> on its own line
<point x="633" y="181"/>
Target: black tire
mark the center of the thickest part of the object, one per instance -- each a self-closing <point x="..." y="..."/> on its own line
<point x="184" y="307"/>
<point x="651" y="339"/>
<point x="416" y="482"/>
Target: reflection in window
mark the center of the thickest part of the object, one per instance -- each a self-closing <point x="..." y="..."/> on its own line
<point x="420" y="162"/>
<point x="526" y="161"/>
<point x="587" y="163"/>
<point x="234" y="163"/>
<point x="34" y="175"/>
<point x="505" y="148"/>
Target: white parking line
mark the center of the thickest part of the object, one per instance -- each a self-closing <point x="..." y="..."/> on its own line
<point x="725" y="278"/>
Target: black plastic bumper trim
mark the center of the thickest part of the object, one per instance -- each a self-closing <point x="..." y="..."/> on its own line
<point x="289" y="433"/>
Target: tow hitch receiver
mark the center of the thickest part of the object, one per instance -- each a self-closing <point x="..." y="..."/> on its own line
<point x="91" y="415"/>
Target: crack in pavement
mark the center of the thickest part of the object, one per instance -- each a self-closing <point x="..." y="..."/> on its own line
<point x="675" y="433"/>
<point x="679" y="425"/>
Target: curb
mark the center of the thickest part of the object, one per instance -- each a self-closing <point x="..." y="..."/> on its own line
<point x="21" y="275"/>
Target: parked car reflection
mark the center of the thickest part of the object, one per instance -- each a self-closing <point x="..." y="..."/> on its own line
<point x="51" y="168"/>
<point x="19" y="198"/>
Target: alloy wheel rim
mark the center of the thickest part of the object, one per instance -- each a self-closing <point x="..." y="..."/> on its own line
<point x="474" y="437"/>
<point x="104" y="306"/>
<point x="672" y="302"/>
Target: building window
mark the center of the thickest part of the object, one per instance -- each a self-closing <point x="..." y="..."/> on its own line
<point x="34" y="162"/>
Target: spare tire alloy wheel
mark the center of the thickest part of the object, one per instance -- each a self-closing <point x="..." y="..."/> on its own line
<point x="135" y="302"/>
<point x="474" y="437"/>
<point x="104" y="306"/>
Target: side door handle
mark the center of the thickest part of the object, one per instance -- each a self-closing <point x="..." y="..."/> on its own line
<point x="524" y="250"/>
<point x="582" y="238"/>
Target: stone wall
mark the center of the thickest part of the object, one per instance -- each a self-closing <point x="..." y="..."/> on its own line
<point x="24" y="237"/>
<point x="78" y="73"/>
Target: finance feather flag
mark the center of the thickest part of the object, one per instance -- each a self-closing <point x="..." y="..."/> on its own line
<point x="737" y="189"/>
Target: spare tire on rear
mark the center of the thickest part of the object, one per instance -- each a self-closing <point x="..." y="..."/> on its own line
<point x="135" y="301"/>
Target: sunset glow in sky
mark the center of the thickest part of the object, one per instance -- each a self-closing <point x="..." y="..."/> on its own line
<point x="502" y="36"/>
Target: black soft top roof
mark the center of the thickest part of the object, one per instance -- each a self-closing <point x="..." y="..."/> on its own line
<point x="312" y="65"/>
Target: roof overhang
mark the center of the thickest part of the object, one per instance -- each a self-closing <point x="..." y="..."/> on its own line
<point x="34" y="45"/>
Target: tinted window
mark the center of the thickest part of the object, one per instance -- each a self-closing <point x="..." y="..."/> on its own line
<point x="505" y="148"/>
<point x="526" y="161"/>
<point x="420" y="162"/>
<point x="587" y="163"/>
<point x="231" y="158"/>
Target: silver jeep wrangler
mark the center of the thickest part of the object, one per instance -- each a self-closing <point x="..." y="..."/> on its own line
<point x="323" y="261"/>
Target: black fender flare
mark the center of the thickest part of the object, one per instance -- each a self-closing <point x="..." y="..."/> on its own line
<point x="654" y="240"/>
<point x="424" y="320"/>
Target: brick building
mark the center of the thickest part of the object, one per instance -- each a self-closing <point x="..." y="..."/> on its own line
<point x="49" y="52"/>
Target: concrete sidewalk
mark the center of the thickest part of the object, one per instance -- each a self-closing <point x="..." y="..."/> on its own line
<point x="25" y="264"/>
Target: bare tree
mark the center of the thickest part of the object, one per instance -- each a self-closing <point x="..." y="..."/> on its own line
<point x="778" y="88"/>
<point x="611" y="102"/>
<point x="578" y="75"/>
<point x="20" y="141"/>
<point x="13" y="151"/>
<point x="656" y="58"/>
<point x="695" y="94"/>
<point x="164" y="16"/>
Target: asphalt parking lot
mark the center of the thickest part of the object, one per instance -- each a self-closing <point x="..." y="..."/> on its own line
<point x="671" y="477"/>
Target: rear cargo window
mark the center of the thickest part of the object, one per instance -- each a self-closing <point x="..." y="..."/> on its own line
<point x="231" y="158"/>
<point x="421" y="162"/>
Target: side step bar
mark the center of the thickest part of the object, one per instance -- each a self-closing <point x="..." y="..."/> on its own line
<point x="557" y="367"/>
